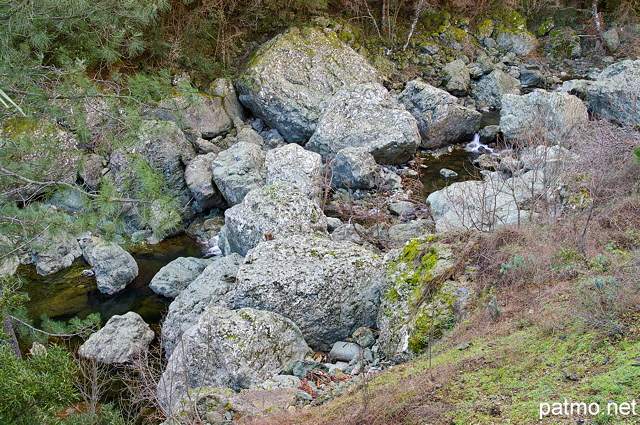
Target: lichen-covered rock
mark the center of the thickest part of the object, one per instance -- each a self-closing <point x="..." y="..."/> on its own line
<point x="114" y="267"/>
<point x="294" y="164"/>
<point x="355" y="168"/>
<point x="230" y="348"/>
<point x="199" y="178"/>
<point x="401" y="233"/>
<point x="51" y="252"/>
<point x="290" y="78"/>
<point x="177" y="275"/>
<point x="276" y="211"/>
<point x="224" y="89"/>
<point x="91" y="170"/>
<point x="205" y="115"/>
<point x="120" y="340"/>
<point x="440" y="118"/>
<point x="564" y="42"/>
<point x="238" y="170"/>
<point x="415" y="307"/>
<point x="457" y="77"/>
<point x="552" y="115"/>
<point x="490" y="88"/>
<point x="611" y="39"/>
<point x="328" y="288"/>
<point x="366" y="115"/>
<point x="214" y="286"/>
<point x="615" y="95"/>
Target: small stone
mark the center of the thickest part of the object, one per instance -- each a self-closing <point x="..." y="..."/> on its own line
<point x="345" y="351"/>
<point x="447" y="173"/>
<point x="364" y="337"/>
<point x="464" y="346"/>
<point x="401" y="207"/>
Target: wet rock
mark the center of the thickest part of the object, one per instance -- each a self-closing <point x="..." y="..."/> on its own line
<point x="199" y="178"/>
<point x="230" y="348"/>
<point x="292" y="76"/>
<point x="214" y="286"/>
<point x="441" y="120"/>
<point x="177" y="275"/>
<point x="238" y="170"/>
<point x="366" y="115"/>
<point x="292" y="163"/>
<point x="552" y="115"/>
<point x="490" y="88"/>
<point x="114" y="267"/>
<point x="273" y="211"/>
<point x="120" y="340"/>
<point x="328" y="288"/>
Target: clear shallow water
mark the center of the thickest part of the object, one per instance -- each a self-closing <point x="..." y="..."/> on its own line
<point x="458" y="160"/>
<point x="68" y="293"/>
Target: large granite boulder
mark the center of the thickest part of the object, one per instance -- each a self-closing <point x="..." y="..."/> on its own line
<point x="520" y="42"/>
<point x="615" y="94"/>
<point x="238" y="170"/>
<point x="177" y="275"/>
<point x="274" y="211"/>
<point x="114" y="267"/>
<point x="51" y="252"/>
<point x="552" y="116"/>
<point x="289" y="79"/>
<point x="199" y="178"/>
<point x="214" y="286"/>
<point x="441" y="119"/>
<point x="294" y="164"/>
<point x="490" y="88"/>
<point x="230" y="349"/>
<point x="120" y="340"/>
<point x="457" y="77"/>
<point x="366" y="115"/>
<point x="327" y="288"/>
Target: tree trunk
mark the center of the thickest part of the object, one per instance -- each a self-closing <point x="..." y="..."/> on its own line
<point x="13" y="340"/>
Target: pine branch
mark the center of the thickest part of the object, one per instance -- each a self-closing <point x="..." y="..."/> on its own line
<point x="41" y="331"/>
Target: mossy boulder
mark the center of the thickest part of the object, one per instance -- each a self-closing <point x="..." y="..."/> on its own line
<point x="417" y="305"/>
<point x="289" y="79"/>
<point x="512" y="34"/>
<point x="564" y="43"/>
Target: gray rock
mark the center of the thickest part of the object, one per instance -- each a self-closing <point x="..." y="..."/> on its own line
<point x="490" y="88"/>
<point x="447" y="173"/>
<point x="354" y="168"/>
<point x="520" y="42"/>
<point x="230" y="348"/>
<point x="349" y="232"/>
<point x="199" y="178"/>
<point x="224" y="89"/>
<point x="120" y="340"/>
<point x="238" y="170"/>
<point x="532" y="76"/>
<point x="440" y="118"/>
<point x="202" y="114"/>
<point x="611" y="39"/>
<point x="553" y="116"/>
<point x="292" y="163"/>
<point x="482" y="66"/>
<point x="366" y="115"/>
<point x="214" y="286"/>
<point x="177" y="275"/>
<point x="333" y="224"/>
<point x="344" y="351"/>
<point x="404" y="232"/>
<point x="290" y="78"/>
<point x="328" y="288"/>
<point x="457" y="77"/>
<point x="615" y="95"/>
<point x="69" y="200"/>
<point x="300" y="369"/>
<point x="489" y="133"/>
<point x="578" y="88"/>
<point x="249" y="135"/>
<point x="52" y="252"/>
<point x="274" y="211"/>
<point x="91" y="168"/>
<point x="278" y="381"/>
<point x="114" y="267"/>
<point x="364" y="337"/>
<point x="400" y="208"/>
